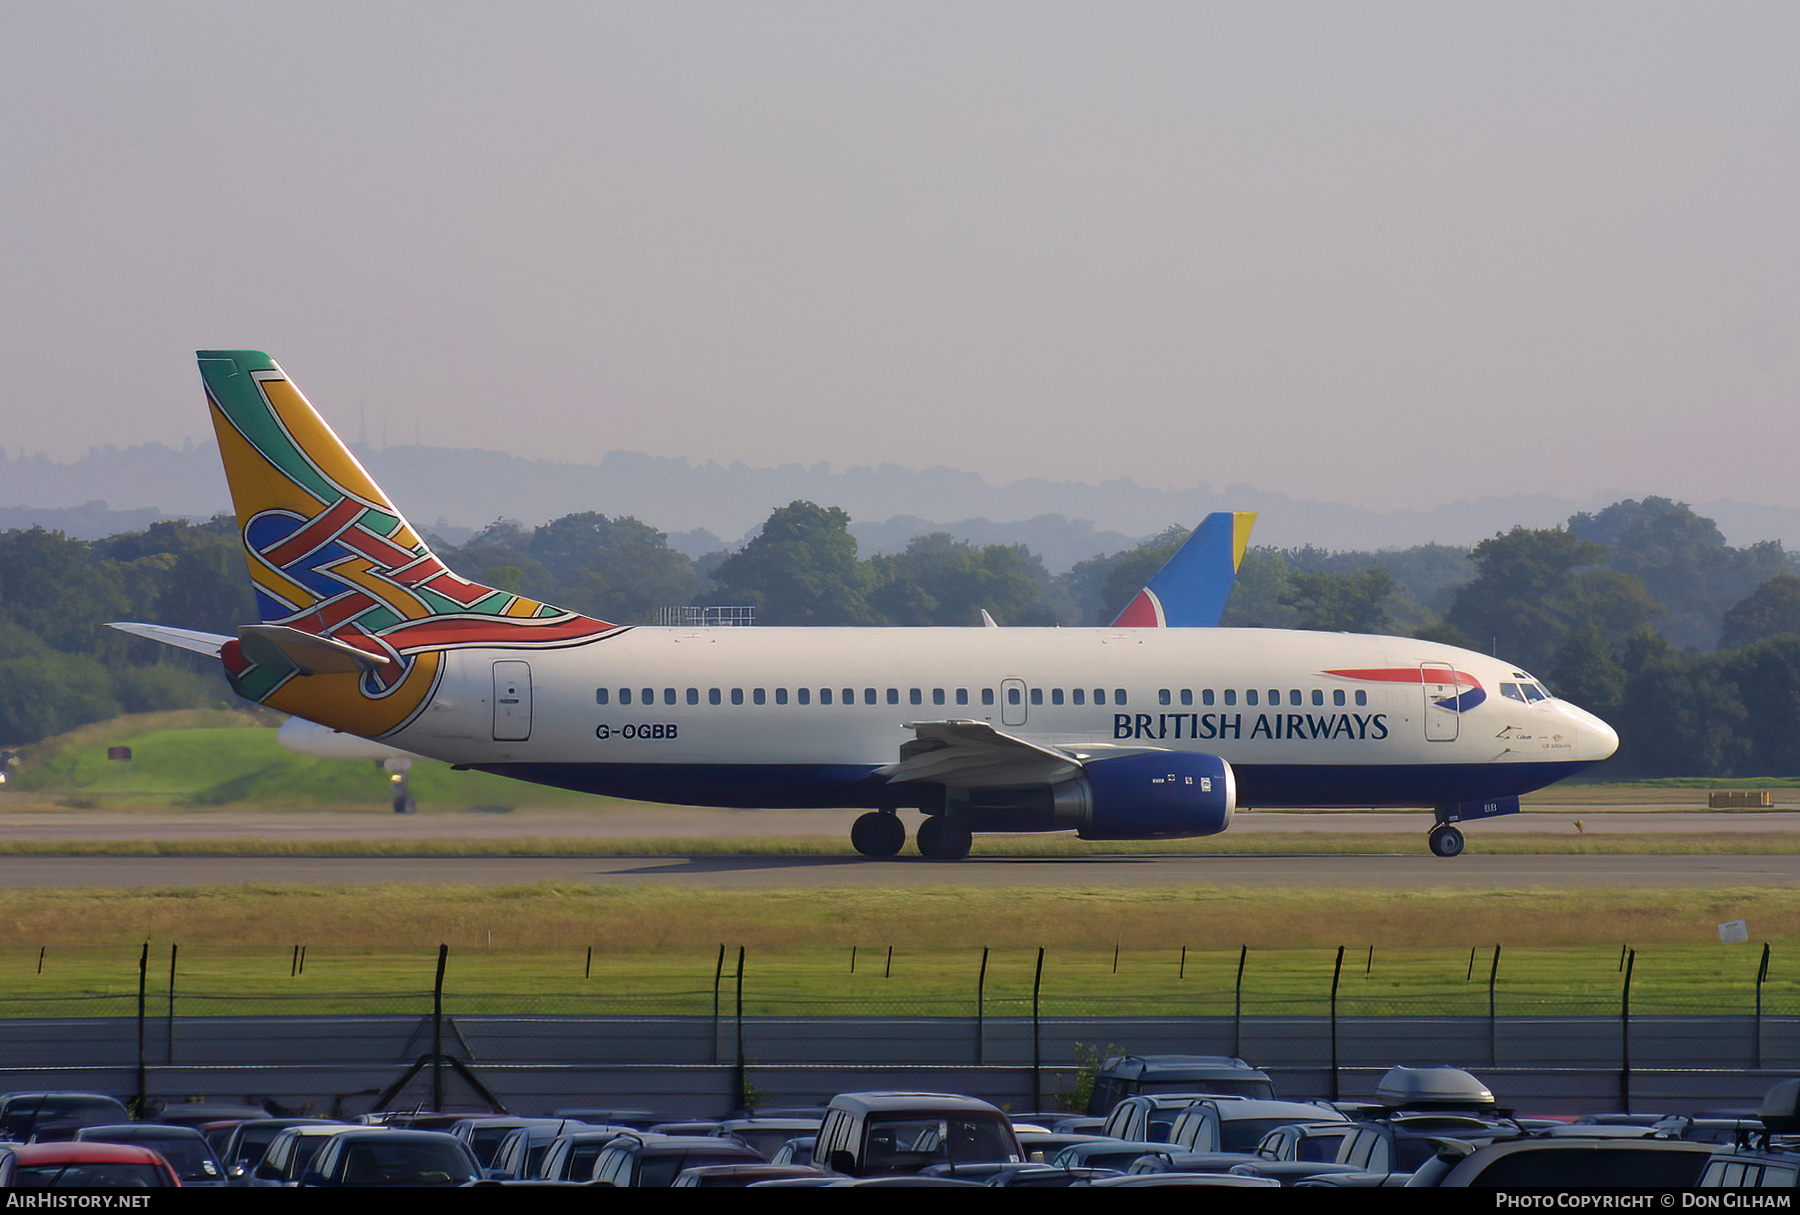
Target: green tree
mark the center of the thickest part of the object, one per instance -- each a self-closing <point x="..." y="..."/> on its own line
<point x="1341" y="603"/>
<point x="1510" y="606"/>
<point x="1769" y="611"/>
<point x="801" y="569"/>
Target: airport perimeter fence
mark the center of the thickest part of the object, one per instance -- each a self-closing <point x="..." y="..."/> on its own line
<point x="755" y="1021"/>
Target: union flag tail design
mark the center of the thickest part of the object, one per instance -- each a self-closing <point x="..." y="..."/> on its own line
<point x="332" y="558"/>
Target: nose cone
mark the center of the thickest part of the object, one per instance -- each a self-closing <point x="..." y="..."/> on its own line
<point x="1594" y="739"/>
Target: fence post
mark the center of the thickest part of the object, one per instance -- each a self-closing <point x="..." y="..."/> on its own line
<point x="1625" y="1035"/>
<point x="981" y="1010"/>
<point x="143" y="981"/>
<point x="1762" y="974"/>
<point x="172" y="1001"/>
<point x="437" y="1032"/>
<point x="718" y="978"/>
<point x="1336" y="969"/>
<point x="743" y="1099"/>
<point x="1493" y="1020"/>
<point x="1237" y="1006"/>
<point x="1037" y="1043"/>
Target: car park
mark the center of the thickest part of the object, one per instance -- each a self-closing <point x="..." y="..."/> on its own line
<point x="888" y="1133"/>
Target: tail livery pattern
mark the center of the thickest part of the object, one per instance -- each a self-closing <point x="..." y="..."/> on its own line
<point x="330" y="556"/>
<point x="1190" y="590"/>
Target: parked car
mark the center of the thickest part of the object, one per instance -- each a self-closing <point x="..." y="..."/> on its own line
<point x="248" y="1140"/>
<point x="1239" y="1125"/>
<point x="289" y="1154"/>
<point x="67" y="1165"/>
<point x="571" y="1156"/>
<point x="646" y="1160"/>
<point x="1767" y="1158"/>
<point x="1125" y="1076"/>
<point x="889" y="1133"/>
<point x="1566" y="1163"/>
<point x="185" y="1148"/>
<point x="738" y="1176"/>
<point x="380" y="1156"/>
<point x="54" y="1115"/>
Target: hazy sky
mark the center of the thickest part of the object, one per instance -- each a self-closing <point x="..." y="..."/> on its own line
<point x="1388" y="254"/>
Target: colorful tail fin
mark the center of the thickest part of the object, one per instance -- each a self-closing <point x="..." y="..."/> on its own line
<point x="332" y="558"/>
<point x="1190" y="590"/>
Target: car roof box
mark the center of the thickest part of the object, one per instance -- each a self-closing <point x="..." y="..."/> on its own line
<point x="1432" y="1088"/>
<point x="1781" y="1108"/>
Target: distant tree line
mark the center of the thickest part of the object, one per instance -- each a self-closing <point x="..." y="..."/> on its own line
<point x="1640" y="612"/>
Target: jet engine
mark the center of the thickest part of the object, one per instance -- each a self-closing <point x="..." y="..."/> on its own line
<point x="1156" y="795"/>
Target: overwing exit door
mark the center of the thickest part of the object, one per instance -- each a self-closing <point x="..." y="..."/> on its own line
<point x="512" y="701"/>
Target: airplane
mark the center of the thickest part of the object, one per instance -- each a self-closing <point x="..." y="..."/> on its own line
<point x="1114" y="733"/>
<point x="1191" y="588"/>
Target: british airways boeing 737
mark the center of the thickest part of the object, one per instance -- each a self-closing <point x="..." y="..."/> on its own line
<point x="1114" y="733"/>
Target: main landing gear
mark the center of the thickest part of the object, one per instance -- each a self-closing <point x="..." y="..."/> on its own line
<point x="1446" y="840"/>
<point x="942" y="838"/>
<point x="878" y="833"/>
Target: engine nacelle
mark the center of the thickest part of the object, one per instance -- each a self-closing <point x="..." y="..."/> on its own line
<point x="1160" y="795"/>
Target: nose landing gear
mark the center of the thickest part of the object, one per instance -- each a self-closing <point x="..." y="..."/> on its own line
<point x="1445" y="840"/>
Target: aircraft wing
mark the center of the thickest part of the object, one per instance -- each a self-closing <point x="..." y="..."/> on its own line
<point x="185" y="639"/>
<point x="972" y="754"/>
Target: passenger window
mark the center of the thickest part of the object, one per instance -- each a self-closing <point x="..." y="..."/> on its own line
<point x="803" y="695"/>
<point x="1080" y="696"/>
<point x="759" y="696"/>
<point x="850" y="696"/>
<point x="915" y="696"/>
<point x="1318" y="696"/>
<point x="1206" y="697"/>
<point x="1118" y="696"/>
<point x="1099" y="696"/>
<point x="893" y="696"/>
<point x="1037" y="696"/>
<point x="1362" y="697"/>
<point x="624" y="696"/>
<point x="780" y="696"/>
<point x="1056" y="696"/>
<point x="712" y="696"/>
<point x="600" y="696"/>
<point x="824" y="696"/>
<point x="1164" y="697"/>
<point x="1187" y="696"/>
<point x="1249" y="697"/>
<point x="693" y="696"/>
<point x="668" y="696"/>
<point x="1294" y="696"/>
<point x="1012" y="696"/>
<point x="868" y="696"/>
<point x="737" y="696"/>
<point x="962" y="696"/>
<point x="1231" y="696"/>
<point x="649" y="696"/>
<point x="987" y="696"/>
<point x="1337" y="696"/>
<point x="1274" y="696"/>
<point x="937" y="696"/>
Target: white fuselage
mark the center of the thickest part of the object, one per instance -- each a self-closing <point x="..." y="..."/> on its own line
<point x="802" y="716"/>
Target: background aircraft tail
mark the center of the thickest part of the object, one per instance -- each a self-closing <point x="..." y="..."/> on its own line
<point x="1191" y="588"/>
<point x="356" y="611"/>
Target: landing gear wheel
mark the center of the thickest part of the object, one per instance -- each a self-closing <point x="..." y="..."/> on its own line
<point x="943" y="840"/>
<point x="878" y="834"/>
<point x="1446" y="840"/>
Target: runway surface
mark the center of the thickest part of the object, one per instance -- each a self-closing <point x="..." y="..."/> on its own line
<point x="1422" y="871"/>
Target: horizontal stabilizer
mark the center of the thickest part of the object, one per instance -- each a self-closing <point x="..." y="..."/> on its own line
<point x="313" y="654"/>
<point x="184" y="639"/>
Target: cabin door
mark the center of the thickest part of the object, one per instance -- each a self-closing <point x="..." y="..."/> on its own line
<point x="512" y="701"/>
<point x="1439" y="679"/>
<point x="1012" y="702"/>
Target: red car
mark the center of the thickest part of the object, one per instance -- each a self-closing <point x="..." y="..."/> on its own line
<point x="90" y="1166"/>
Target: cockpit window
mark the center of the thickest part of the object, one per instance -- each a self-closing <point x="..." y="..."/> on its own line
<point x="1512" y="692"/>
<point x="1534" y="692"/>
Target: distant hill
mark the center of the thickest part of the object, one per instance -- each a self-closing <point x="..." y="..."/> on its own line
<point x="451" y="490"/>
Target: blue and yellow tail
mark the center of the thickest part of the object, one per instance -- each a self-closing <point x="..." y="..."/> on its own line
<point x="356" y="610"/>
<point x="1191" y="588"/>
